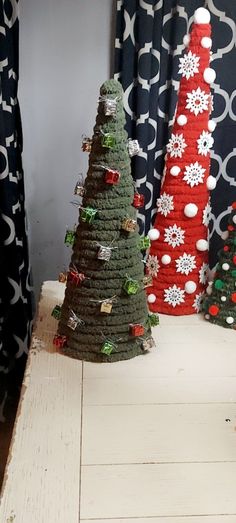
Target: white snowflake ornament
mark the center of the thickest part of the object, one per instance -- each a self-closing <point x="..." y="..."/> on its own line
<point x="197" y="101"/>
<point x="189" y="65"/>
<point x="174" y="295"/>
<point x="152" y="265"/>
<point x="206" y="215"/>
<point x="174" y="236"/>
<point x="176" y="145"/>
<point x="197" y="304"/>
<point x="203" y="273"/>
<point x="185" y="263"/>
<point x="205" y="142"/>
<point x="165" y="204"/>
<point x="194" y="174"/>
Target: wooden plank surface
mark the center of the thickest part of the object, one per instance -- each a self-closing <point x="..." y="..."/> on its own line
<point x="43" y="473"/>
<point x="157" y="433"/>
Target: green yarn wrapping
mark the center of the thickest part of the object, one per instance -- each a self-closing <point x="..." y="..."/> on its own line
<point x="105" y="279"/>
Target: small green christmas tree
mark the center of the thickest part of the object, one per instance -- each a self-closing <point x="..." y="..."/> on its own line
<point x="104" y="316"/>
<point x="220" y="304"/>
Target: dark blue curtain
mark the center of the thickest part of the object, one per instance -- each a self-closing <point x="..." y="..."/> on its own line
<point x="15" y="286"/>
<point x="149" y="36"/>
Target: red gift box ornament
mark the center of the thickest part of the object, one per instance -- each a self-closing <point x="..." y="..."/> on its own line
<point x="138" y="200"/>
<point x="59" y="340"/>
<point x="136" y="329"/>
<point x="75" y="277"/>
<point x="112" y="176"/>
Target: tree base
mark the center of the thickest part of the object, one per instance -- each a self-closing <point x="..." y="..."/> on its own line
<point x="96" y="357"/>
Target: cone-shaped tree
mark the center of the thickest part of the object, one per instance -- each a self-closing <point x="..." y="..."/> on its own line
<point x="104" y="315"/>
<point x="220" y="302"/>
<point x="179" y="252"/>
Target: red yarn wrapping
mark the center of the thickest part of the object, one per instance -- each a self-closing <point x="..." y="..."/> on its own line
<point x="166" y="276"/>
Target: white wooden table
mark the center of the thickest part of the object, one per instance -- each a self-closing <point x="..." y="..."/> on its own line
<point x="151" y="440"/>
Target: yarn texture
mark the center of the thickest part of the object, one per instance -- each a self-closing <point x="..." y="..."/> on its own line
<point x="107" y="281"/>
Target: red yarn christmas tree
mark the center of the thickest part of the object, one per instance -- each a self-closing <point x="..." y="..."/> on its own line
<point x="178" y="257"/>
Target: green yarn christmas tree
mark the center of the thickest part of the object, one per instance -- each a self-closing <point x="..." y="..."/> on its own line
<point x="220" y="304"/>
<point x="104" y="315"/>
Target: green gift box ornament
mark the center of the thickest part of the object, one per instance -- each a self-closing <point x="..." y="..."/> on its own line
<point x="131" y="286"/>
<point x="108" y="140"/>
<point x="56" y="312"/>
<point x="69" y="237"/>
<point x="108" y="347"/>
<point x="153" y="320"/>
<point x="87" y="214"/>
<point x="144" y="243"/>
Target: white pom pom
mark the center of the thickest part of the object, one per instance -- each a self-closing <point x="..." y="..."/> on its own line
<point x="186" y="40"/>
<point x="225" y="235"/>
<point x="225" y="266"/>
<point x="151" y="298"/>
<point x="202" y="245"/>
<point x="209" y="290"/>
<point x="207" y="316"/>
<point x="190" y="210"/>
<point x="211" y="126"/>
<point x="211" y="183"/>
<point x="230" y="320"/>
<point x="234" y="218"/>
<point x="206" y="42"/>
<point x="223" y="298"/>
<point x="209" y="75"/>
<point x="190" y="287"/>
<point x="166" y="259"/>
<point x="202" y="16"/>
<point x="175" y="170"/>
<point x="182" y="119"/>
<point x="153" y="234"/>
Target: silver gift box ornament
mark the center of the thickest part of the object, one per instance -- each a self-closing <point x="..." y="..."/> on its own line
<point x="148" y="344"/>
<point x="110" y="105"/>
<point x="104" y="253"/>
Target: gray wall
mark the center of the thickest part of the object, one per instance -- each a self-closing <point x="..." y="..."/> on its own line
<point x="64" y="57"/>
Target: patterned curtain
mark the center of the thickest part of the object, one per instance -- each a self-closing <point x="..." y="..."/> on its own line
<point x="15" y="287"/>
<point x="149" y="36"/>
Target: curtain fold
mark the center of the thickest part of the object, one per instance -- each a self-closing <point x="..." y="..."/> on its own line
<point x="15" y="285"/>
<point x="149" y="42"/>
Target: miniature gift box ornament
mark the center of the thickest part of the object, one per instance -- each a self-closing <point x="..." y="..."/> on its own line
<point x="129" y="225"/>
<point x="59" y="340"/>
<point x="56" y="312"/>
<point x="108" y="347"/>
<point x="106" y="306"/>
<point x="86" y="144"/>
<point x="153" y="320"/>
<point x="133" y="147"/>
<point x="73" y="321"/>
<point x="110" y="105"/>
<point x="144" y="243"/>
<point x="62" y="277"/>
<point x="79" y="189"/>
<point x="136" y="329"/>
<point x="138" y="200"/>
<point x="87" y="214"/>
<point x="131" y="286"/>
<point x="112" y="177"/>
<point x="69" y="237"/>
<point x="108" y="140"/>
<point x="149" y="343"/>
<point x="104" y="253"/>
<point x="75" y="277"/>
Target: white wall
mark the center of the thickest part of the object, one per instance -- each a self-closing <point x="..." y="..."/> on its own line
<point x="65" y="48"/>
